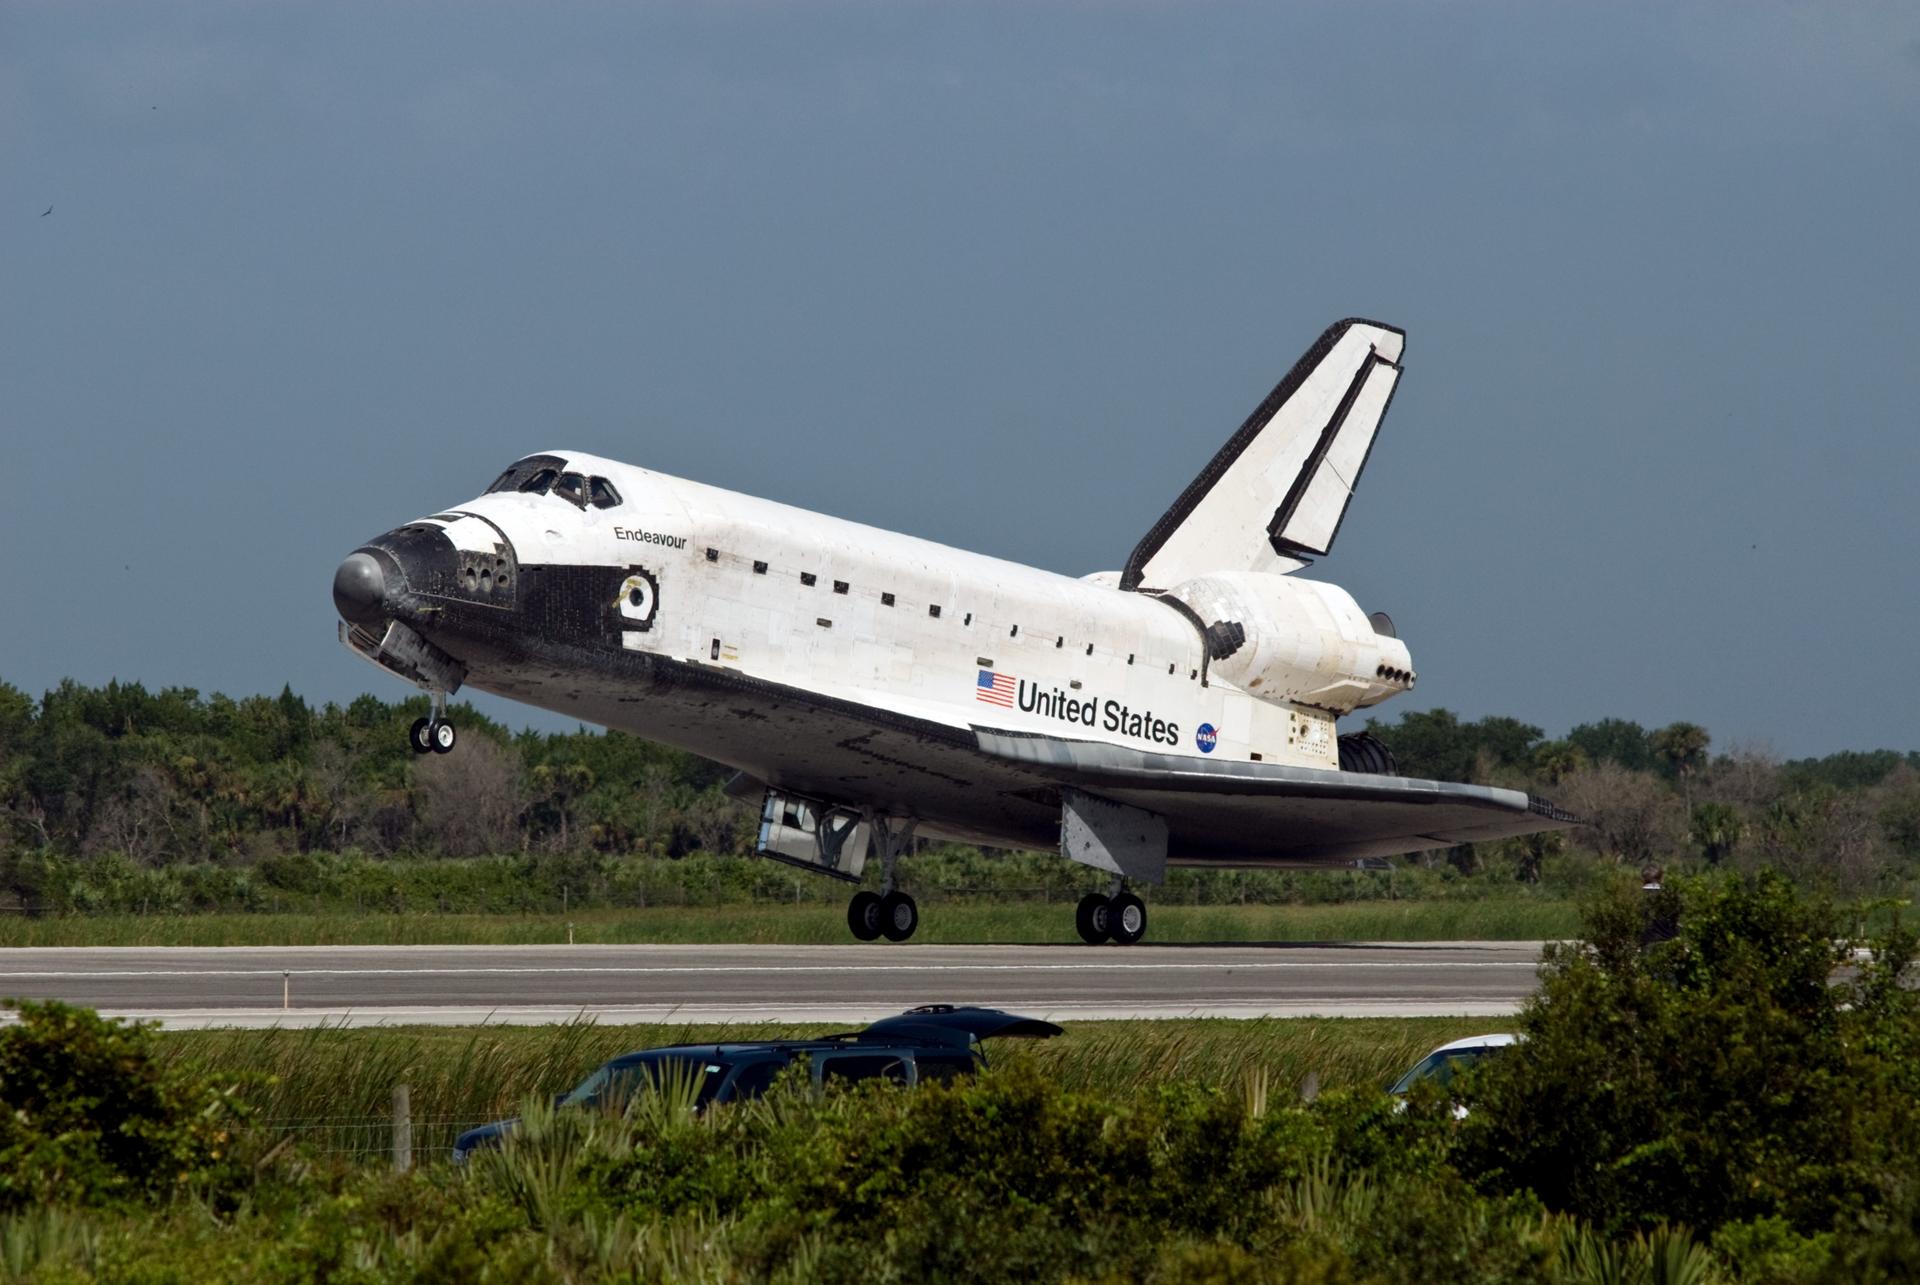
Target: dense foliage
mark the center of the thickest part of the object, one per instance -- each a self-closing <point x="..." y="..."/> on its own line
<point x="1751" y="1069"/>
<point x="93" y="1115"/>
<point x="172" y="776"/>
<point x="1008" y="1177"/>
<point x="1849" y="822"/>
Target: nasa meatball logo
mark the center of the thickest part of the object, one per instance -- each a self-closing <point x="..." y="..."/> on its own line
<point x="639" y="599"/>
<point x="1206" y="738"/>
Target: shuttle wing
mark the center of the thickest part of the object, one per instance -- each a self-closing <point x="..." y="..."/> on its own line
<point x="1268" y="812"/>
<point x="1273" y="497"/>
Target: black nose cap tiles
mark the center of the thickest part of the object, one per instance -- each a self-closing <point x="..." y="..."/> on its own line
<point x="360" y="589"/>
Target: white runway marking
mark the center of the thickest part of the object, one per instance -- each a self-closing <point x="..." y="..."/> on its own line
<point x="706" y="1014"/>
<point x="530" y="970"/>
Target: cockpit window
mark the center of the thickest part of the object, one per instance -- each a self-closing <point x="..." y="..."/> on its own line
<point x="572" y="488"/>
<point x="528" y="470"/>
<point x="601" y="493"/>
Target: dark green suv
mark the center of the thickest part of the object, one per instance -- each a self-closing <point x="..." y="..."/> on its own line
<point x="933" y="1042"/>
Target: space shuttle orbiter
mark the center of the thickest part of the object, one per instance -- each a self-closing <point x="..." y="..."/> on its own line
<point x="868" y="687"/>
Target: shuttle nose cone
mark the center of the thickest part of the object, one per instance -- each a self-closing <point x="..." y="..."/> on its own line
<point x="360" y="589"/>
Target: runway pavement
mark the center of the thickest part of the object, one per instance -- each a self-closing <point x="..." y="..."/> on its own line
<point x="459" y="985"/>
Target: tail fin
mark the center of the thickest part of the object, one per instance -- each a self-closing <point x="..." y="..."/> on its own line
<point x="1273" y="497"/>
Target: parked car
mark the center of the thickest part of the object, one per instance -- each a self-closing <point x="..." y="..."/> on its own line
<point x="933" y="1042"/>
<point x="1447" y="1061"/>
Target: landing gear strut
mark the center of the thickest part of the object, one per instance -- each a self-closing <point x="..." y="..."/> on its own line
<point x="888" y="913"/>
<point x="1117" y="916"/>
<point x="434" y="734"/>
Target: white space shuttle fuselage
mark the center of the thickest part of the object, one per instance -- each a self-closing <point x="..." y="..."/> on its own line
<point x="876" y="618"/>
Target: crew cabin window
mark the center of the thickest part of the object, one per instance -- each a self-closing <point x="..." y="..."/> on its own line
<point x="572" y="488"/>
<point x="600" y="493"/>
<point x="534" y="474"/>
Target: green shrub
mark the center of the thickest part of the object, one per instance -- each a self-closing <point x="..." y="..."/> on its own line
<point x="90" y="1114"/>
<point x="1749" y="1068"/>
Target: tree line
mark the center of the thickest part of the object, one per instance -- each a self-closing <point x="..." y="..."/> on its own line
<point x="1848" y="821"/>
<point x="172" y="776"/>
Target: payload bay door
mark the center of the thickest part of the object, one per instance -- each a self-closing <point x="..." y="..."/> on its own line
<point x="1125" y="841"/>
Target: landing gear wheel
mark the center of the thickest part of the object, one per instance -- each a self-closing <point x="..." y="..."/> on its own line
<point x="1094" y="919"/>
<point x="1127" y="919"/>
<point x="443" y="738"/>
<point x="420" y="736"/>
<point x="863" y="915"/>
<point x="898" y="916"/>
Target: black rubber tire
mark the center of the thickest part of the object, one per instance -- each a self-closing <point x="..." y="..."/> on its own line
<point x="1093" y="918"/>
<point x="899" y="916"/>
<point x="419" y="736"/>
<point x="863" y="915"/>
<point x="444" y="738"/>
<point x="1127" y="919"/>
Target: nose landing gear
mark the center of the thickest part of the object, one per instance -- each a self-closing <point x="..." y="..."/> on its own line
<point x="1119" y="917"/>
<point x="434" y="734"/>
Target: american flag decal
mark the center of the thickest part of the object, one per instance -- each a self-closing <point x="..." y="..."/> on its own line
<point x="994" y="689"/>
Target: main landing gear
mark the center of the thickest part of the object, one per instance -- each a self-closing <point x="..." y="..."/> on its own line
<point x="893" y="916"/>
<point x="1119" y="917"/>
<point x="434" y="734"/>
<point x="888" y="913"/>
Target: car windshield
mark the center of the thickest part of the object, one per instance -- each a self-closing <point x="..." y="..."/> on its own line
<point x="1441" y="1066"/>
<point x="615" y="1081"/>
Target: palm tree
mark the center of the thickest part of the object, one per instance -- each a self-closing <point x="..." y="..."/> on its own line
<point x="1716" y="831"/>
<point x="1553" y="760"/>
<point x="1683" y="747"/>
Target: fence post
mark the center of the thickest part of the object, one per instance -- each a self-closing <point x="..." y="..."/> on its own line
<point x="286" y="990"/>
<point x="402" y="1129"/>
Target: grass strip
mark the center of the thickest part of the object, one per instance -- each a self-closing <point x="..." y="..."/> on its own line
<point x="948" y="923"/>
<point x="331" y="1089"/>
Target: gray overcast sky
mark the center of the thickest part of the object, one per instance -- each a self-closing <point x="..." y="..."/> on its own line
<point x="1000" y="275"/>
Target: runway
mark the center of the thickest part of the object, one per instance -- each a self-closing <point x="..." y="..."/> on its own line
<point x="185" y="987"/>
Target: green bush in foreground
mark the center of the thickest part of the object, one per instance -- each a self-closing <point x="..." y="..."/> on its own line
<point x="1750" y="1069"/>
<point x="90" y="1114"/>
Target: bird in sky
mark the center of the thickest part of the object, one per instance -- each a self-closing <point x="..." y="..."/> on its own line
<point x="44" y="213"/>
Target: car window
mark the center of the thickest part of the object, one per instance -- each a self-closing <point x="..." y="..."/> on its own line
<point x="614" y="1082"/>
<point x="1440" y="1067"/>
<point x="869" y="1066"/>
<point x="753" y="1079"/>
<point x="601" y="493"/>
<point x="942" y="1066"/>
